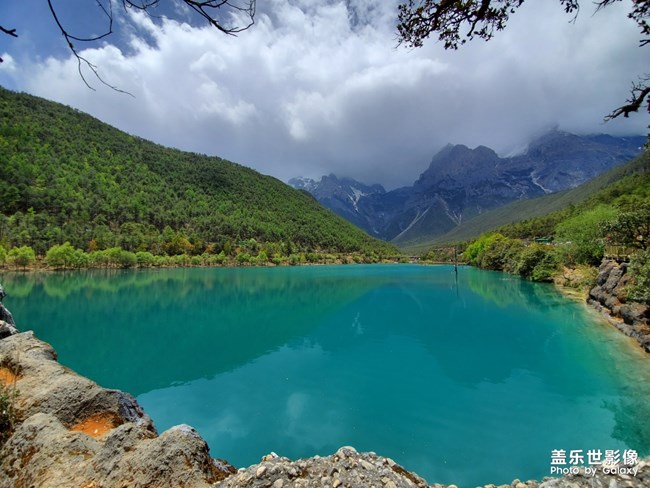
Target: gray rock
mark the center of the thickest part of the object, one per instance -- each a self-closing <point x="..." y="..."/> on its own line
<point x="615" y="275"/>
<point x="7" y="329"/>
<point x="613" y="303"/>
<point x="76" y="433"/>
<point x="621" y="288"/>
<point x="610" y="296"/>
<point x="48" y="387"/>
<point x="634" y="313"/>
<point x="385" y="473"/>
<point x="345" y="468"/>
<point x="5" y="315"/>
<point x="604" y="270"/>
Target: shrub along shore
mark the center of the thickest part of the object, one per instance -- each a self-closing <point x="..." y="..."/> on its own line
<point x="246" y="253"/>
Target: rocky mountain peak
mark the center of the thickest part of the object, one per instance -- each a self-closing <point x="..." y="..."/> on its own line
<point x="461" y="183"/>
<point x="300" y="183"/>
<point x="459" y="162"/>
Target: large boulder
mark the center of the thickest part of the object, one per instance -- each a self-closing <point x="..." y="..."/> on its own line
<point x="72" y="432"/>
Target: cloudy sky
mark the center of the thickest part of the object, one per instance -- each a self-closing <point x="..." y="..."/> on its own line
<point x="320" y="86"/>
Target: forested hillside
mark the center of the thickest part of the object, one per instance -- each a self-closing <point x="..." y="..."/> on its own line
<point x="69" y="177"/>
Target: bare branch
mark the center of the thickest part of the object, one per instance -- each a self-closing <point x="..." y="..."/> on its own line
<point x="639" y="93"/>
<point x="11" y="32"/>
<point x="208" y="9"/>
<point x="144" y="5"/>
<point x="68" y="37"/>
<point x="81" y="61"/>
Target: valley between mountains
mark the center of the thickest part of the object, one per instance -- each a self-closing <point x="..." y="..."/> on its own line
<point x="461" y="183"/>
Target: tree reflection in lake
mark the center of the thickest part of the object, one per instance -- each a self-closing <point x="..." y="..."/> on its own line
<point x="397" y="359"/>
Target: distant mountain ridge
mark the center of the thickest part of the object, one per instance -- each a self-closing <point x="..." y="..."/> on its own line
<point x="345" y="196"/>
<point x="525" y="210"/>
<point x="461" y="183"/>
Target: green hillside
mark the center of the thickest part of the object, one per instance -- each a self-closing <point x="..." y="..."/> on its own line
<point x="66" y="176"/>
<point x="524" y="210"/>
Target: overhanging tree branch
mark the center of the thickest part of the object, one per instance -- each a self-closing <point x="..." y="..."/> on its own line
<point x="81" y="61"/>
<point x="448" y="19"/>
<point x="11" y="32"/>
<point x="640" y="93"/>
<point x="218" y="14"/>
<point x="207" y="10"/>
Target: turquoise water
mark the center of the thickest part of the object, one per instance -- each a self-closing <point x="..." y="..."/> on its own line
<point x="470" y="384"/>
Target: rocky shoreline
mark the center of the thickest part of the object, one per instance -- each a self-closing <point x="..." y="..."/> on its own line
<point x="70" y="432"/>
<point x="348" y="468"/>
<point x="610" y="297"/>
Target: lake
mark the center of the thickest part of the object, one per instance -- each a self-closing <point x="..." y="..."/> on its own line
<point x="470" y="382"/>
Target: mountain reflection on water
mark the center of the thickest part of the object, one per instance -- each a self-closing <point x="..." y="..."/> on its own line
<point x="470" y="384"/>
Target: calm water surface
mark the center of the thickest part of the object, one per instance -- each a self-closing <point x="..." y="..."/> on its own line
<point x="470" y="384"/>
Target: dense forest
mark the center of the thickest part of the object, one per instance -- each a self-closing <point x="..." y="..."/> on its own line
<point x="612" y="221"/>
<point x="71" y="181"/>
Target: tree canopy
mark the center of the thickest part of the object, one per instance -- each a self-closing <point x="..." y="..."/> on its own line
<point x="455" y="22"/>
<point x="631" y="227"/>
<point x="67" y="177"/>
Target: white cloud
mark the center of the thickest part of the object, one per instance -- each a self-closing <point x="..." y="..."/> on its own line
<point x="8" y="64"/>
<point x="318" y="86"/>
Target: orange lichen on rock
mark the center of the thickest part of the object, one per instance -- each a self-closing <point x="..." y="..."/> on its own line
<point x="97" y="425"/>
<point x="7" y="377"/>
